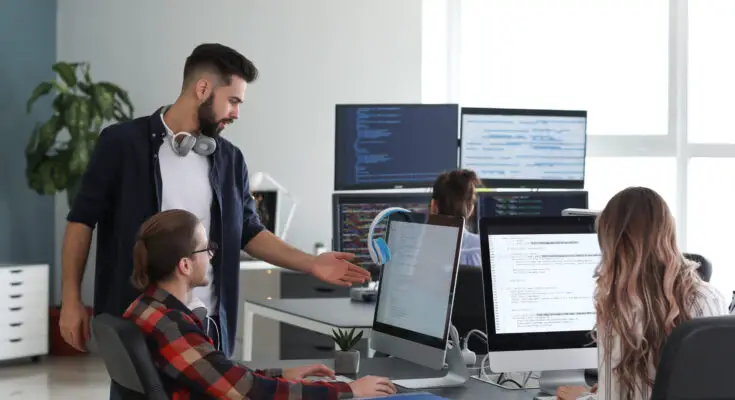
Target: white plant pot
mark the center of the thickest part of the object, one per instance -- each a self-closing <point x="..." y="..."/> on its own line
<point x="346" y="362"/>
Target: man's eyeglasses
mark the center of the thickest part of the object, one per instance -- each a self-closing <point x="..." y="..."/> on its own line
<point x="211" y="248"/>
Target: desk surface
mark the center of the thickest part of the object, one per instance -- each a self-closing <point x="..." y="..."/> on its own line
<point x="400" y="369"/>
<point x="339" y="312"/>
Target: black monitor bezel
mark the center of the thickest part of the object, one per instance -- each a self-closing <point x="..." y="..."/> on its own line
<point x="529" y="225"/>
<point x="341" y="198"/>
<point x="405" y="334"/>
<point x="565" y="193"/>
<point x="527" y="183"/>
<point x="386" y="186"/>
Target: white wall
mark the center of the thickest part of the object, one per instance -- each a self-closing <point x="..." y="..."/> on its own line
<point x="311" y="54"/>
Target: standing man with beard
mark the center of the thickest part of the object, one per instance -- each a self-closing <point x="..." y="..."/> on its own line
<point x="176" y="159"/>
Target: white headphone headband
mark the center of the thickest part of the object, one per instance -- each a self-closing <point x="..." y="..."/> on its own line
<point x="371" y="233"/>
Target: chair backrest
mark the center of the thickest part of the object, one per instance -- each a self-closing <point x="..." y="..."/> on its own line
<point x="696" y="362"/>
<point x="127" y="357"/>
<point x="705" y="267"/>
<point x="468" y="312"/>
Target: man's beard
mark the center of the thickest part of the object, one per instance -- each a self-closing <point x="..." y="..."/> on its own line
<point x="208" y="123"/>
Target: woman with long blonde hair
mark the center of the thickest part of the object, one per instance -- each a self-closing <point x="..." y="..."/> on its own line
<point x="645" y="288"/>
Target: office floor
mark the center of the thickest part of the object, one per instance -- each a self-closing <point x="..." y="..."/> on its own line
<point x="68" y="378"/>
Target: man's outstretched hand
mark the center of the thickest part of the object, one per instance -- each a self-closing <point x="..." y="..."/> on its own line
<point x="336" y="268"/>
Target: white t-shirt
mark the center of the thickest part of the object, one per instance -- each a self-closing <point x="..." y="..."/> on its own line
<point x="186" y="186"/>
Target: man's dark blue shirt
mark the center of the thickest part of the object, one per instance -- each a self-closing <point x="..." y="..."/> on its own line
<point x="121" y="189"/>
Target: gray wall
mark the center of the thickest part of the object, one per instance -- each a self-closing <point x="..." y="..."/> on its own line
<point x="27" y="50"/>
<point x="312" y="55"/>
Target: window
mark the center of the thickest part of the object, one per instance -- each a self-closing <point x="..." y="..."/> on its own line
<point x="606" y="176"/>
<point x="607" y="57"/>
<point x="711" y="69"/>
<point x="709" y="219"/>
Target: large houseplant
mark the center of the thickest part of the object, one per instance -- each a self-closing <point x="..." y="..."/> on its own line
<point x="81" y="107"/>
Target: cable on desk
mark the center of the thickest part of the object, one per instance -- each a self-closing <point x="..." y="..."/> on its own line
<point x="480" y="334"/>
<point x="504" y="381"/>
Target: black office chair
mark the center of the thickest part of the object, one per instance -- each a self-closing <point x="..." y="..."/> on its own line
<point x="468" y="312"/>
<point x="696" y="362"/>
<point x="127" y="357"/>
<point x="705" y="267"/>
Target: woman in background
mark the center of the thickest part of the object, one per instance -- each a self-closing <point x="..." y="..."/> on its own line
<point x="454" y="194"/>
<point x="645" y="288"/>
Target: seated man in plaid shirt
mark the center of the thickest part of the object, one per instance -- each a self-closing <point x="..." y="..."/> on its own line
<point x="171" y="256"/>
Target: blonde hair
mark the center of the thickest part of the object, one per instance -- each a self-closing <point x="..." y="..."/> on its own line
<point x="645" y="287"/>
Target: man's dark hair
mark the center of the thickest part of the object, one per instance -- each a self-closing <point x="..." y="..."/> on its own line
<point x="221" y="60"/>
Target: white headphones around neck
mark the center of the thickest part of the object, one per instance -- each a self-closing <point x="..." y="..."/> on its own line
<point x="378" y="247"/>
<point x="184" y="142"/>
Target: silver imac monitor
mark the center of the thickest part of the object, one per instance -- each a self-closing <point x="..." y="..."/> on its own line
<point x="538" y="275"/>
<point x="416" y="294"/>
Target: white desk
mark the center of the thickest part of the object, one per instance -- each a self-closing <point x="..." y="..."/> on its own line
<point x="318" y="315"/>
<point x="257" y="265"/>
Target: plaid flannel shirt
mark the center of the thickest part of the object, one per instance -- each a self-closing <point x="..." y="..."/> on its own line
<point x="192" y="368"/>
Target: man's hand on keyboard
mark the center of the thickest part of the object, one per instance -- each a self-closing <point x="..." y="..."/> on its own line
<point x="372" y="386"/>
<point x="299" y="373"/>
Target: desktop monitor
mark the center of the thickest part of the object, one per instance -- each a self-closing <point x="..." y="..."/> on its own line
<point x="511" y="148"/>
<point x="529" y="204"/>
<point x="538" y="275"/>
<point x="353" y="214"/>
<point x="416" y="294"/>
<point x="387" y="146"/>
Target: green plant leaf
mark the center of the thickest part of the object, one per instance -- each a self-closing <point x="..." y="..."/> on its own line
<point x="33" y="141"/>
<point x="47" y="183"/>
<point x="105" y="101"/>
<point x="122" y="95"/>
<point x="67" y="72"/>
<point x="79" y="158"/>
<point x="47" y="134"/>
<point x="42" y="89"/>
<point x="77" y="117"/>
<point x="87" y="77"/>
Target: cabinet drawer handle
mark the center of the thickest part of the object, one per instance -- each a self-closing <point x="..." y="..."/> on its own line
<point x="16" y="283"/>
<point x="16" y="324"/>
<point x="16" y="271"/>
<point x="324" y="348"/>
<point x="16" y="296"/>
<point x="15" y="308"/>
<point x="324" y="289"/>
<point x="15" y="340"/>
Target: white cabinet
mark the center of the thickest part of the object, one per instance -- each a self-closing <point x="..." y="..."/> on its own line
<point x="24" y="302"/>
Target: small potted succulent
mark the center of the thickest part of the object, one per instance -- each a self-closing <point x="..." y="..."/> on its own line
<point x="346" y="359"/>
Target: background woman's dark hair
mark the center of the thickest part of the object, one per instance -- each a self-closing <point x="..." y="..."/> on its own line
<point x="162" y="241"/>
<point x="454" y="192"/>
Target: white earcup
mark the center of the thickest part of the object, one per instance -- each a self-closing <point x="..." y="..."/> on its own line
<point x="205" y="145"/>
<point x="182" y="143"/>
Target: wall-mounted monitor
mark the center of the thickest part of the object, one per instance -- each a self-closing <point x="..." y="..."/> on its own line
<point x="389" y="146"/>
<point x="513" y="148"/>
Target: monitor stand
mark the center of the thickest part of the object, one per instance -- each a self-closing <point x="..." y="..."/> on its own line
<point x="457" y="374"/>
<point x="550" y="381"/>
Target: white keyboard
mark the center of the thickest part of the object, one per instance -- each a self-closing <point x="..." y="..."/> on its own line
<point x="339" y="378"/>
